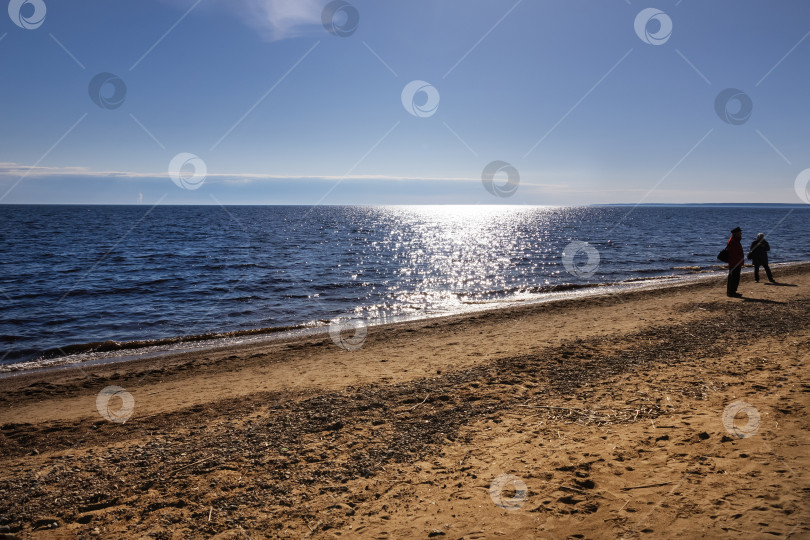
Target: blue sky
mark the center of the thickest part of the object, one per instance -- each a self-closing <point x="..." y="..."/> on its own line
<point x="281" y="111"/>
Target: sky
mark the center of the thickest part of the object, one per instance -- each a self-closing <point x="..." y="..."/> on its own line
<point x="530" y="102"/>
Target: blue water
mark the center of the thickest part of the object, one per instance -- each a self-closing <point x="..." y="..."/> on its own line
<point x="72" y="275"/>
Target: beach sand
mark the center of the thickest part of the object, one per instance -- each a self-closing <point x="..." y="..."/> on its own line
<point x="671" y="413"/>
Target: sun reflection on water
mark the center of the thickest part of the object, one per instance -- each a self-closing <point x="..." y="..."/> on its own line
<point x="449" y="256"/>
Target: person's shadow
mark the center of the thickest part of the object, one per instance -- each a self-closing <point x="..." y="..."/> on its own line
<point x="760" y="300"/>
<point x="780" y="284"/>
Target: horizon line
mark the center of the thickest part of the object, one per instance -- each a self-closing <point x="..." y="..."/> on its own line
<point x="761" y="204"/>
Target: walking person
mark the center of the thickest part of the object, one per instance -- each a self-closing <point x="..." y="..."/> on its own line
<point x="736" y="259"/>
<point x="759" y="257"/>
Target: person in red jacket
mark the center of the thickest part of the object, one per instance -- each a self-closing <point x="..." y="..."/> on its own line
<point x="736" y="259"/>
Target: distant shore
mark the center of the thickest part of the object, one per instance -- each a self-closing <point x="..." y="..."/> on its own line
<point x="616" y="412"/>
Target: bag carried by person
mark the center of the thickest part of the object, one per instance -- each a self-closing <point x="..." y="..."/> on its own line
<point x="723" y="256"/>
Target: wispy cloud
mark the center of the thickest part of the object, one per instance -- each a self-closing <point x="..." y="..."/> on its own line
<point x="277" y="19"/>
<point x="8" y="169"/>
<point x="77" y="176"/>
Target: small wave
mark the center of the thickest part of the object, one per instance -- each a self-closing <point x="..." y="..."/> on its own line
<point x="156" y="282"/>
<point x="29" y="296"/>
<point x="501" y="295"/>
<point x="154" y="323"/>
<point x="104" y="292"/>
<point x="111" y="345"/>
<point x="650" y="278"/>
<point x="243" y="313"/>
<point x="338" y="286"/>
<point x="562" y="287"/>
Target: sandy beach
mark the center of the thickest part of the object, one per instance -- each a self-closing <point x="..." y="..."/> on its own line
<point x="671" y="413"/>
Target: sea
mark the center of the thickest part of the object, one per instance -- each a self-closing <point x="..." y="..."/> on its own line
<point x="90" y="283"/>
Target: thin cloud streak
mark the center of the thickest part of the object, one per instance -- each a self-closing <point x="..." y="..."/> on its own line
<point x="10" y="170"/>
<point x="14" y="169"/>
<point x="277" y="19"/>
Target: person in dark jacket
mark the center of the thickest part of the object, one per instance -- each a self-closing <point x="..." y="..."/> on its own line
<point x="736" y="259"/>
<point x="759" y="257"/>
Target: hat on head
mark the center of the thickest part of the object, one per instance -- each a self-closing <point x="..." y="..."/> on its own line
<point x="736" y="229"/>
<point x="761" y="235"/>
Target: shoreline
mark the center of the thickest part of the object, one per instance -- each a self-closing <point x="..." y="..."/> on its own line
<point x="252" y="357"/>
<point x="611" y="410"/>
<point x="112" y="352"/>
